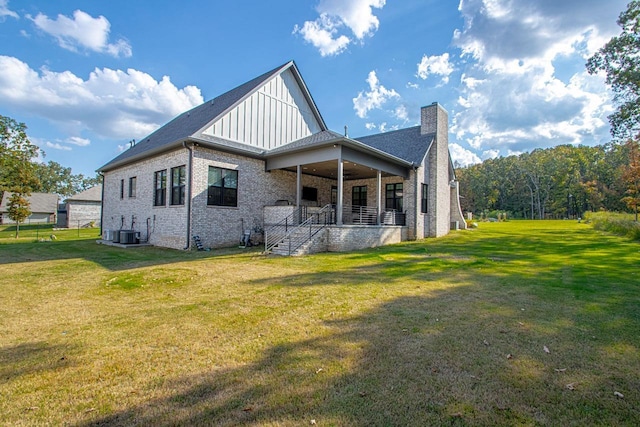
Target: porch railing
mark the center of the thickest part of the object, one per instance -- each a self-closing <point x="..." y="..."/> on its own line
<point x="369" y="216"/>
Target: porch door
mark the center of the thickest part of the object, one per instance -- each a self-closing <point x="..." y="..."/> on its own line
<point x="394" y="197"/>
<point x="334" y="195"/>
<point x="359" y="195"/>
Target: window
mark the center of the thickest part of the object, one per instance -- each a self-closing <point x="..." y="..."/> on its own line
<point x="359" y="196"/>
<point x="122" y="188"/>
<point x="132" y="186"/>
<point x="223" y="187"/>
<point x="160" y="185"/>
<point x="310" y="194"/>
<point x="425" y="192"/>
<point x="334" y="195"/>
<point x="393" y="197"/>
<point x="178" y="179"/>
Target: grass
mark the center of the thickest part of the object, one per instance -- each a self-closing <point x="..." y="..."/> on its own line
<point x="437" y="332"/>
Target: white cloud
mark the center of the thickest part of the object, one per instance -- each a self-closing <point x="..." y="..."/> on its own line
<point x="524" y="84"/>
<point x="326" y="32"/>
<point x="57" y="146"/>
<point x="374" y="98"/>
<point x="82" y="32"/>
<point x="462" y="156"/>
<point x="490" y="154"/>
<point x="321" y="33"/>
<point x="370" y="126"/>
<point x="436" y="64"/>
<point x="355" y="14"/>
<point x="401" y="113"/>
<point x="80" y="142"/>
<point x="111" y="103"/>
<point x="4" y="10"/>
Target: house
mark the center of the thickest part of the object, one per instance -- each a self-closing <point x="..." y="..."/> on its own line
<point x="260" y="162"/>
<point x="85" y="208"/>
<point x="43" y="208"/>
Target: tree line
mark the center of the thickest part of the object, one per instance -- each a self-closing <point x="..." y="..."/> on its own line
<point x="566" y="181"/>
<point x="560" y="182"/>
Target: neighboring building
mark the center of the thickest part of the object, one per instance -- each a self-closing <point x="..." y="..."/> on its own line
<point x="84" y="209"/>
<point x="43" y="208"/>
<point x="250" y="157"/>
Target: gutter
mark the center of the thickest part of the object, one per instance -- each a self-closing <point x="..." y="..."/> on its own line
<point x="188" y="195"/>
<point x="101" y="205"/>
<point x="417" y="209"/>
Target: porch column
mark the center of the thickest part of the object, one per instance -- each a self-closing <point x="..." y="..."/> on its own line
<point x="340" y="190"/>
<point x="298" y="186"/>
<point x="379" y="197"/>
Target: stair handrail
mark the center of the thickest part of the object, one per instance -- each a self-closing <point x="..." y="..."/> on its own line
<point x="271" y="242"/>
<point x="272" y="233"/>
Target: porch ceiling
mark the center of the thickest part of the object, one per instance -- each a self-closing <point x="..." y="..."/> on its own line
<point x="329" y="169"/>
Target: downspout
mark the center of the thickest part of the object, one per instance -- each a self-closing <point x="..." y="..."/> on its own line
<point x="415" y="206"/>
<point x="188" y="195"/>
<point x="101" y="205"/>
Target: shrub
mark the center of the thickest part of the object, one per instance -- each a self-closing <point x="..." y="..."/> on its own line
<point x="616" y="223"/>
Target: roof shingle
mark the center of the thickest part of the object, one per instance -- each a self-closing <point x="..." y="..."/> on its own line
<point x="408" y="144"/>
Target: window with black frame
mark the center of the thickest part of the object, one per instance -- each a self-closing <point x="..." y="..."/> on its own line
<point x="178" y="180"/>
<point x="222" y="187"/>
<point x="425" y="192"/>
<point x="132" y="186"/>
<point x="359" y="195"/>
<point x="393" y="196"/>
<point x="160" y="186"/>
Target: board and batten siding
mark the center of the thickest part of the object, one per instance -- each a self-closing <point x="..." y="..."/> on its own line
<point x="276" y="114"/>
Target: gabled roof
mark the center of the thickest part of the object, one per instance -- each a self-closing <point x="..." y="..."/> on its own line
<point x="40" y="202"/>
<point x="407" y="144"/>
<point x="329" y="137"/>
<point x="93" y="194"/>
<point x="187" y="124"/>
<point x="314" y="140"/>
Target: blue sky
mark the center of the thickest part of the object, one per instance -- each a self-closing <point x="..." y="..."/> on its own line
<point x="88" y="76"/>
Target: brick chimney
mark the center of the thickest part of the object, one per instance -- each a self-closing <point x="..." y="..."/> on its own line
<point x="434" y="121"/>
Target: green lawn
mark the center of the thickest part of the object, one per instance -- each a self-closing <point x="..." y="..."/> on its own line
<point x="450" y="331"/>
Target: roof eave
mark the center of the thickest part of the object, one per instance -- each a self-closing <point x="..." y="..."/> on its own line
<point x="349" y="142"/>
<point x="143" y="155"/>
<point x="307" y="94"/>
<point x="226" y="148"/>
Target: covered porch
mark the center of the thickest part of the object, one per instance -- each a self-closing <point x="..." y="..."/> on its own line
<point x="342" y="160"/>
<point x="353" y="172"/>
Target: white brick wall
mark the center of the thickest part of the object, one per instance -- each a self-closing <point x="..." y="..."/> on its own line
<point x="354" y="237"/>
<point x="167" y="224"/>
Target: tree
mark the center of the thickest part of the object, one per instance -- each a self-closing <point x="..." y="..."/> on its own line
<point x="17" y="170"/>
<point x="631" y="177"/>
<point x="620" y="60"/>
<point x="18" y="210"/>
<point x="55" y="179"/>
